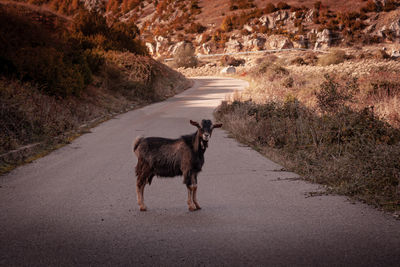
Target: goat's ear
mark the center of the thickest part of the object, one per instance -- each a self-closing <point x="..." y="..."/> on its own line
<point x="218" y="125"/>
<point x="194" y="123"/>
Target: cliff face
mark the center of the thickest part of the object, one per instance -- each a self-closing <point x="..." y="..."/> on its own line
<point x="237" y="25"/>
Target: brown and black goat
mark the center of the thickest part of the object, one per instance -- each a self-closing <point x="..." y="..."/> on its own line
<point x="164" y="157"/>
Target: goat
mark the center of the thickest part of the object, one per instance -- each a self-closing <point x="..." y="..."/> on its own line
<point x="164" y="157"/>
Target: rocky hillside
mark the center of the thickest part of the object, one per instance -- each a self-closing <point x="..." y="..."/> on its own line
<point x="248" y="25"/>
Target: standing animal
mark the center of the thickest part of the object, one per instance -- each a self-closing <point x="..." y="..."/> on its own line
<point x="164" y="157"/>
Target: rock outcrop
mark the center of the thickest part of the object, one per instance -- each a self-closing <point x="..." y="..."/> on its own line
<point x="278" y="42"/>
<point x="253" y="43"/>
<point x="161" y="44"/>
<point x="324" y="40"/>
<point x="233" y="46"/>
<point x="271" y="20"/>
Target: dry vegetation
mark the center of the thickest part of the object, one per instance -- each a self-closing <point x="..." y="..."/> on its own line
<point x="54" y="79"/>
<point x="220" y="20"/>
<point x="332" y="118"/>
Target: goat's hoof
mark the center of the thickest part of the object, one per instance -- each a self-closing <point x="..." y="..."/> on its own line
<point x="191" y="208"/>
<point x="143" y="208"/>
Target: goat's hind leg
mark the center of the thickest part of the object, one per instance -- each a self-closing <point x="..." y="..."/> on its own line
<point x="140" y="184"/>
<point x="143" y="176"/>
<point x="195" y="198"/>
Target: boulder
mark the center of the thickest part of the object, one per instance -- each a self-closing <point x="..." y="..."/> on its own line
<point x="247" y="28"/>
<point x="206" y="49"/>
<point x="228" y="70"/>
<point x="324" y="40"/>
<point x="151" y="48"/>
<point x="253" y="43"/>
<point x="188" y="46"/>
<point x="395" y="54"/>
<point x="394" y="27"/>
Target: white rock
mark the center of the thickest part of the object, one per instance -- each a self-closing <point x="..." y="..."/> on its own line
<point x="206" y="49"/>
<point x="248" y="28"/>
<point x="151" y="48"/>
<point x="324" y="40"/>
<point x="278" y="42"/>
<point x="228" y="70"/>
<point x="233" y="46"/>
<point x="161" y="45"/>
<point x="395" y="54"/>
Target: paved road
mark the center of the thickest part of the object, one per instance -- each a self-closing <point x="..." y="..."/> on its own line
<point x="77" y="206"/>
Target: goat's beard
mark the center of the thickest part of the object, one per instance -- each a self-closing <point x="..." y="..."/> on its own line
<point x="203" y="144"/>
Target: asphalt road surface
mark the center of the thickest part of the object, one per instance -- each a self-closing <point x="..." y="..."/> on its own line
<point x="77" y="206"/>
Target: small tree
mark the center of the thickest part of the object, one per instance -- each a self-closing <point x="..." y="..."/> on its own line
<point x="282" y="6"/>
<point x="184" y="56"/>
<point x="269" y="8"/>
<point x="317" y="5"/>
<point x="227" y="24"/>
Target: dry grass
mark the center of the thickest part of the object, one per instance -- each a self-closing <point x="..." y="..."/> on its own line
<point x="334" y="57"/>
<point x="337" y="128"/>
<point x="125" y="81"/>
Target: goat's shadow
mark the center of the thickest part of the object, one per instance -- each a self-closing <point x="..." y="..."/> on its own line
<point x="179" y="215"/>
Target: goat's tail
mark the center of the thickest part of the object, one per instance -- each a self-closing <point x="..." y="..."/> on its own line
<point x="136" y="143"/>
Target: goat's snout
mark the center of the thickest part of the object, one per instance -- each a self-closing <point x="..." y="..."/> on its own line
<point x="206" y="136"/>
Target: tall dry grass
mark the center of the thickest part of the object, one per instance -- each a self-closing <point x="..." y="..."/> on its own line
<point x="338" y="130"/>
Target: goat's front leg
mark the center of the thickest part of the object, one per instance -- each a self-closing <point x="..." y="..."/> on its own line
<point x="191" y="183"/>
<point x="187" y="179"/>
<point x="192" y="207"/>
<point x="194" y="194"/>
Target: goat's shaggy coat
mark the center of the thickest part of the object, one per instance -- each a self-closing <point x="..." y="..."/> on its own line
<point x="172" y="157"/>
